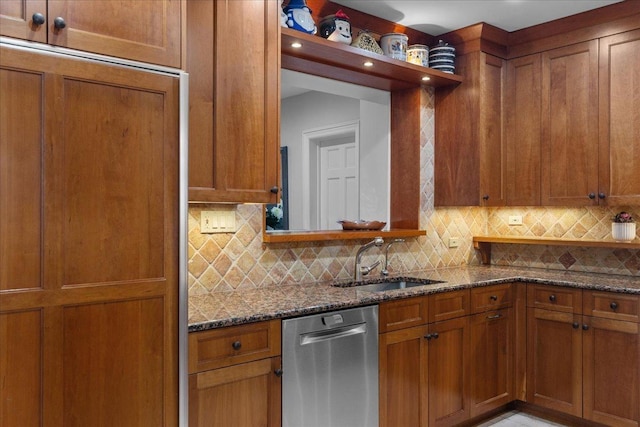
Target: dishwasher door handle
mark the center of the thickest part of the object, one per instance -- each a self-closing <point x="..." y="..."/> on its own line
<point x="344" y="331"/>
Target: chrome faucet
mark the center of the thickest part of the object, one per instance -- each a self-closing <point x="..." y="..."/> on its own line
<point x="363" y="270"/>
<point x="384" y="271"/>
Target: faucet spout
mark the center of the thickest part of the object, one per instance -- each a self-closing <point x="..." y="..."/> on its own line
<point x="385" y="271"/>
<point x="359" y="270"/>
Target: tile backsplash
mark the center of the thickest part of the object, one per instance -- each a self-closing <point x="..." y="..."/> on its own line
<point x="219" y="262"/>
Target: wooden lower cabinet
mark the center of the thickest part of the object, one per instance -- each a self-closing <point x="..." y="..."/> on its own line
<point x="448" y="372"/>
<point x="404" y="394"/>
<point x="492" y="360"/>
<point x="611" y="372"/>
<point x="244" y="395"/>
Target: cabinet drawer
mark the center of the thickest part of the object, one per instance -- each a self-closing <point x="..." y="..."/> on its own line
<point x="448" y="305"/>
<point x="236" y="344"/>
<point x="491" y="298"/>
<point x="404" y="313"/>
<point x="555" y="298"/>
<point x="612" y="305"/>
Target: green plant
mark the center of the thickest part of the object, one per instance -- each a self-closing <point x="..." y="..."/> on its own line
<point x="623" y="217"/>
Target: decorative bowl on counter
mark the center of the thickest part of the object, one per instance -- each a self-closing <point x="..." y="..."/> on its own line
<point x="362" y="225"/>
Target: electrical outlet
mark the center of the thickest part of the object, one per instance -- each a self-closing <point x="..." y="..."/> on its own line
<point x="515" y="219"/>
<point x="454" y="242"/>
<point x="218" y="221"/>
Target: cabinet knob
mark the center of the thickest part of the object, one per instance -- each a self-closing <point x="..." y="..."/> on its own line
<point x="613" y="305"/>
<point x="435" y="335"/>
<point x="485" y="197"/>
<point x="37" y="19"/>
<point x="493" y="298"/>
<point x="576" y="325"/>
<point x="236" y="345"/>
<point x="601" y="196"/>
<point x="585" y="327"/>
<point x="592" y="196"/>
<point x="278" y="372"/>
<point x="428" y="337"/>
<point x="274" y="189"/>
<point x="59" y="23"/>
<point x="552" y="298"/>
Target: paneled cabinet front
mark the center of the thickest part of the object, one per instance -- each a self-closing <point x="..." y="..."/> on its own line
<point x="88" y="246"/>
<point x="147" y="31"/>
<point x="233" y="60"/>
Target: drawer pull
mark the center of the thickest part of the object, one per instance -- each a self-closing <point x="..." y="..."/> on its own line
<point x="552" y="298"/>
<point x="493" y="298"/>
<point x="236" y="345"/>
<point x="614" y="306"/>
<point x="495" y="316"/>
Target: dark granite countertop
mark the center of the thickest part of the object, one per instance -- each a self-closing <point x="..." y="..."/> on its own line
<point x="234" y="308"/>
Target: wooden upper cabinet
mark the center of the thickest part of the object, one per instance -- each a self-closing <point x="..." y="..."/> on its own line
<point x="569" y="173"/>
<point x="619" y="106"/>
<point x="147" y="30"/>
<point x="17" y="19"/>
<point x="522" y="131"/>
<point x="233" y="58"/>
<point x="469" y="143"/>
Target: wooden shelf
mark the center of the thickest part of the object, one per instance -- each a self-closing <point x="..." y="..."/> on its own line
<point x="322" y="57"/>
<point x="315" y="236"/>
<point x="483" y="243"/>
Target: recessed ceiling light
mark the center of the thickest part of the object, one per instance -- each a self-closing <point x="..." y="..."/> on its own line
<point x="368" y="64"/>
<point x="426" y="78"/>
<point x="296" y="45"/>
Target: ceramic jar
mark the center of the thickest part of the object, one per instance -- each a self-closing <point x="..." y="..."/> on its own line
<point x="394" y="45"/>
<point x="418" y="54"/>
<point x="623" y="231"/>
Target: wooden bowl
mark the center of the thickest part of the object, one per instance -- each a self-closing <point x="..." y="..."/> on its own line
<point x="362" y="225"/>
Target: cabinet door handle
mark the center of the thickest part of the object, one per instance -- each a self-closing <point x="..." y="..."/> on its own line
<point x="485" y="197"/>
<point x="37" y="19"/>
<point x="576" y="325"/>
<point x="552" y="298"/>
<point x="614" y="306"/>
<point x="592" y="196"/>
<point x="493" y="298"/>
<point x="59" y="23"/>
<point x="237" y="345"/>
<point x="274" y="189"/>
<point x="278" y="372"/>
<point x="602" y="196"/>
<point x="435" y="335"/>
<point x="585" y="327"/>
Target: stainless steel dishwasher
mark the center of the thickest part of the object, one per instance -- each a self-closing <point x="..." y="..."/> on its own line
<point x="330" y="365"/>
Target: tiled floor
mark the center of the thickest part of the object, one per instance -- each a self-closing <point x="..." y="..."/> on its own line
<point x="518" y="419"/>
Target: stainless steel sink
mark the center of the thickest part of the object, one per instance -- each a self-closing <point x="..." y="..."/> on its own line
<point x="392" y="284"/>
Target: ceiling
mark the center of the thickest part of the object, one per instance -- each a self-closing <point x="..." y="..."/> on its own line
<point x="437" y="17"/>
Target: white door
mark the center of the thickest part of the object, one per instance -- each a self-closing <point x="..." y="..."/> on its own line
<point x="338" y="181"/>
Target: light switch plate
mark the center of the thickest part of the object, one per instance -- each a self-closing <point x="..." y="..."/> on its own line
<point x="454" y="242"/>
<point x="218" y="221"/>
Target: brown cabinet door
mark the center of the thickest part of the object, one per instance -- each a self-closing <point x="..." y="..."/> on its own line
<point x="246" y="395"/>
<point x="619" y="130"/>
<point x="16" y="19"/>
<point x="233" y="60"/>
<point x="611" y="374"/>
<point x="142" y="30"/>
<point x="554" y="360"/>
<point x="468" y="135"/>
<point x="403" y="378"/>
<point x="522" y="131"/>
<point x="570" y="125"/>
<point x="449" y="360"/>
<point x="492" y="358"/>
<point x="89" y="157"/>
